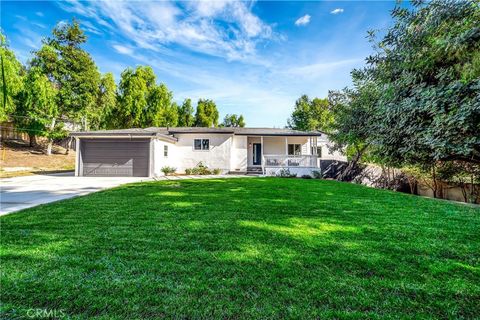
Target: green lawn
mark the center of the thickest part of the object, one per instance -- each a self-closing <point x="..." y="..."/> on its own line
<point x="243" y="248"/>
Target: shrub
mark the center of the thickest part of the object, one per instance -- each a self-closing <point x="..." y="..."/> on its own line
<point x="168" y="170"/>
<point x="200" y="169"/>
<point x="216" y="171"/>
<point x="285" y="173"/>
<point x="306" y="176"/>
<point x="317" y="174"/>
<point x="188" y="171"/>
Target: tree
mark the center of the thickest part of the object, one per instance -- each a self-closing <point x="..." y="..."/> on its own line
<point x="353" y="111"/>
<point x="428" y="70"/>
<point x="233" y="120"/>
<point x="39" y="109"/>
<point x="134" y="93"/>
<point x="207" y="114"/>
<point x="185" y="114"/>
<point x="12" y="73"/>
<point x="160" y="111"/>
<point x="71" y="70"/>
<point x="102" y="113"/>
<point x="311" y="115"/>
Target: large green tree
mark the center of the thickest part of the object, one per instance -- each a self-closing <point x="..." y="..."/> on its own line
<point x="102" y="113"/>
<point x="428" y="69"/>
<point x="310" y="115"/>
<point x="161" y="111"/>
<point x="233" y="120"/>
<point x="186" y="117"/>
<point x="71" y="70"/>
<point x="38" y="109"/>
<point x="11" y="78"/>
<point x="207" y="113"/>
<point x="134" y="91"/>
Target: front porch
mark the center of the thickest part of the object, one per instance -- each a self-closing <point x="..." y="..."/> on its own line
<point x="269" y="154"/>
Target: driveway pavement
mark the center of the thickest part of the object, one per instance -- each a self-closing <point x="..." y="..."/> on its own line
<point x="28" y="191"/>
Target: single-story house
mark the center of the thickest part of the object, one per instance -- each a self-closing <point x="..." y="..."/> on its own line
<point x="143" y="152"/>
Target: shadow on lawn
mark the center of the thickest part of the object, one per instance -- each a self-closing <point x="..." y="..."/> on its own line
<point x="228" y="248"/>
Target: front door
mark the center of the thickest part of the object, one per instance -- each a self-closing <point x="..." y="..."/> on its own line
<point x="257" y="154"/>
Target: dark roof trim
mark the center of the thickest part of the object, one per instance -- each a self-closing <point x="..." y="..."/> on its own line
<point x="290" y="134"/>
<point x="114" y="135"/>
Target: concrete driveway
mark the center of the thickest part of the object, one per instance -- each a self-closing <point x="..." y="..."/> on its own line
<point x="25" y="192"/>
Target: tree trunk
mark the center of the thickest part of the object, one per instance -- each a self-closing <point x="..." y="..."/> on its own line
<point x="434" y="183"/>
<point x="32" y="140"/>
<point x="50" y="140"/>
<point x="352" y="165"/>
<point x="69" y="145"/>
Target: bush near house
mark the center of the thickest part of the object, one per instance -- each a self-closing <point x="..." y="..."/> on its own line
<point x="168" y="170"/>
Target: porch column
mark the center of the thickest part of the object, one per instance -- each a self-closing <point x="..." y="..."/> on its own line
<point x="286" y="146"/>
<point x="261" y="155"/>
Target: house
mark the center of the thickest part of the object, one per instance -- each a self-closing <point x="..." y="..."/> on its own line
<point x="143" y="152"/>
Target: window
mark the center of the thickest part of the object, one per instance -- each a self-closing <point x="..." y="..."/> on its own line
<point x="294" y="149"/>
<point x="319" y="152"/>
<point x="165" y="151"/>
<point x="201" y="144"/>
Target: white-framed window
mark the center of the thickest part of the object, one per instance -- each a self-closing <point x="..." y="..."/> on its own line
<point x="201" y="144"/>
<point x="319" y="152"/>
<point x="165" y="151"/>
<point x="294" y="149"/>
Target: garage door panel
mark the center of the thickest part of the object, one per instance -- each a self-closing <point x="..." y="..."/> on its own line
<point x="115" y="157"/>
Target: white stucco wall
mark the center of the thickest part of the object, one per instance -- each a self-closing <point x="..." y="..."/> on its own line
<point x="325" y="144"/>
<point x="159" y="160"/>
<point x="218" y="156"/>
<point x="239" y="152"/>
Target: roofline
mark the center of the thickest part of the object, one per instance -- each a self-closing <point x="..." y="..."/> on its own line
<point x="313" y="134"/>
<point x="111" y="135"/>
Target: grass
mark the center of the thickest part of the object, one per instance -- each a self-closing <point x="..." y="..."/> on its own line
<point x="243" y="248"/>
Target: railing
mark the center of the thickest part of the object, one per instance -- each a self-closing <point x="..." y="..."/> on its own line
<point x="272" y="160"/>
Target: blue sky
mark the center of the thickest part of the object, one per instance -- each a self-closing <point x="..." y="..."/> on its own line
<point x="252" y="58"/>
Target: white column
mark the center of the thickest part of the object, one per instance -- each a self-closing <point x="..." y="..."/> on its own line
<point x="286" y="146"/>
<point x="261" y="155"/>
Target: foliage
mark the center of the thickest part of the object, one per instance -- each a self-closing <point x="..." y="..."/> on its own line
<point x="185" y="114"/>
<point x="197" y="249"/>
<point x="207" y="114"/>
<point x="168" y="170"/>
<point x="161" y="111"/>
<point x="428" y="69"/>
<point x="134" y="91"/>
<point x="311" y="115"/>
<point x="12" y="73"/>
<point x="285" y="173"/>
<point x="217" y="171"/>
<point x="71" y="70"/>
<point x="317" y="174"/>
<point x="102" y="117"/>
<point x="38" y="109"/>
<point x="306" y="176"/>
<point x="200" y="169"/>
<point x="233" y="120"/>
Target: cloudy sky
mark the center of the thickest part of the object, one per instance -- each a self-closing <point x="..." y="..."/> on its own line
<point x="253" y="58"/>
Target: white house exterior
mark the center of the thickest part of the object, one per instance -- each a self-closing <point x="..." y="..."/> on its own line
<point x="144" y="152"/>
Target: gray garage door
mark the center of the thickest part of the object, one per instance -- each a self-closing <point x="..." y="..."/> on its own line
<point x="120" y="158"/>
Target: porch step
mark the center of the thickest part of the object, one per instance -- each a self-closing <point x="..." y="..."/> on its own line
<point x="254" y="170"/>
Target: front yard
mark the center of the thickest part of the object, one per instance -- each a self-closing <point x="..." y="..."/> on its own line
<point x="243" y="248"/>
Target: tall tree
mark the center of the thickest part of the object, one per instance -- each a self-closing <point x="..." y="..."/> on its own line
<point x="185" y="114"/>
<point x="207" y="113"/>
<point x="11" y="78"/>
<point x="160" y="111"/>
<point x="310" y="115"/>
<point x="134" y="92"/>
<point x="102" y="114"/>
<point x="39" y="108"/>
<point x="71" y="70"/>
<point x="428" y="68"/>
<point x="233" y="120"/>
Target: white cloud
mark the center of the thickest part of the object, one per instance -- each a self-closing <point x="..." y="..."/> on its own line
<point x="39" y="13"/>
<point x="225" y="29"/>
<point x="122" y="49"/>
<point x="303" y="21"/>
<point x="317" y="69"/>
<point x="337" y="11"/>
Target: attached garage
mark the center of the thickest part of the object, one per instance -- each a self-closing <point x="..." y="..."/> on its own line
<point x="114" y="157"/>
